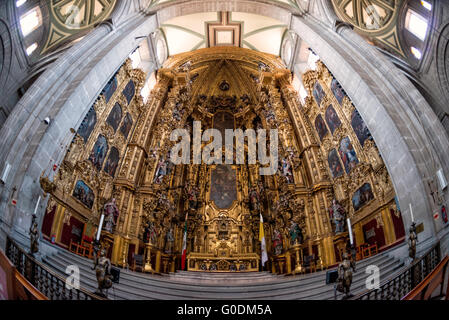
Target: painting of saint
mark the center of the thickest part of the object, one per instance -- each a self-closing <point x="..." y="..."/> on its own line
<point x="127" y="125"/>
<point x="337" y="91"/>
<point x="347" y="154"/>
<point x="320" y="127"/>
<point x="332" y="119"/>
<point x="99" y="152"/>
<point x="360" y="128"/>
<point x="109" y="89"/>
<point x="115" y="116"/>
<point x="88" y="124"/>
<point x="318" y="93"/>
<point x="129" y="91"/>
<point x="362" y="196"/>
<point x="335" y="164"/>
<point x="84" y="194"/>
<point x="223" y="186"/>
<point x="112" y="162"/>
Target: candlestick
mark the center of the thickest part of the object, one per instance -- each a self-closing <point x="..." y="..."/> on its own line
<point x="37" y="204"/>
<point x="100" y="226"/>
<point x="351" y="239"/>
<point x="411" y="212"/>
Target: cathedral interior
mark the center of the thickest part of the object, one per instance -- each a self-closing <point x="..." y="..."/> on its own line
<point x="349" y="99"/>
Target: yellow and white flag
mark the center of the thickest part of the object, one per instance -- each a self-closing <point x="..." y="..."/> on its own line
<point x="262" y="242"/>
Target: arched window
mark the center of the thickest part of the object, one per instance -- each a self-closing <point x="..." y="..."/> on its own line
<point x="30" y="21"/>
<point x="20" y="3"/>
<point x="416" y="24"/>
<point x="31" y="49"/>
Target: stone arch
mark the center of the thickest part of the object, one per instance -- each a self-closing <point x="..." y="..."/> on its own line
<point x="5" y="52"/>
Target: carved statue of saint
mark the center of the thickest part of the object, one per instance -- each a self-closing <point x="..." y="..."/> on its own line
<point x="286" y="170"/>
<point x="295" y="233"/>
<point x="338" y="215"/>
<point x="161" y="171"/>
<point x="152" y="233"/>
<point x="102" y="266"/>
<point x="169" y="240"/>
<point x="277" y="242"/>
<point x="261" y="188"/>
<point x="110" y="215"/>
<point x="34" y="235"/>
<point x="345" y="275"/>
<point x="254" y="199"/>
<point x="192" y="195"/>
<point x="412" y="239"/>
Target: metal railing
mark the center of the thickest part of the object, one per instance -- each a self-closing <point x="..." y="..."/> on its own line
<point x="51" y="284"/>
<point x="398" y="285"/>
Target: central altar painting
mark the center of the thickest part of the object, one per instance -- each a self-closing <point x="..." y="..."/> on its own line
<point x="223" y="188"/>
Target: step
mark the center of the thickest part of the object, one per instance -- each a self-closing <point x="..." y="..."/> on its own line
<point x="308" y="278"/>
<point x="290" y="280"/>
<point x="127" y="290"/>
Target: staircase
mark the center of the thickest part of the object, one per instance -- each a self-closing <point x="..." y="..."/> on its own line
<point x="204" y="285"/>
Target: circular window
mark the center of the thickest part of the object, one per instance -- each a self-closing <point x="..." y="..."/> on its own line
<point x="161" y="47"/>
<point x="287" y="48"/>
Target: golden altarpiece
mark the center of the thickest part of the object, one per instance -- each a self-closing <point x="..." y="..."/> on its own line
<point x="123" y="152"/>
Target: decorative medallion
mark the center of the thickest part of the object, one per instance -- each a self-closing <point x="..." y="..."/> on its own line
<point x="69" y="17"/>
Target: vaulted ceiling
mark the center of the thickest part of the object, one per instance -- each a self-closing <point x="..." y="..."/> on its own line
<point x="210" y="29"/>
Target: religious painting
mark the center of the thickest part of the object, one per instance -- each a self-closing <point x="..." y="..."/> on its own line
<point x="347" y="154"/>
<point x="337" y="91"/>
<point x="115" y="116"/>
<point x="99" y="152"/>
<point x="88" y="124"/>
<point x="362" y="196"/>
<point x="222" y="121"/>
<point x="127" y="125"/>
<point x="332" y="119"/>
<point x="84" y="194"/>
<point x="129" y="91"/>
<point x="223" y="186"/>
<point x="109" y="89"/>
<point x="112" y="162"/>
<point x="320" y="127"/>
<point x="89" y="232"/>
<point x="318" y="93"/>
<point x="335" y="164"/>
<point x="360" y="128"/>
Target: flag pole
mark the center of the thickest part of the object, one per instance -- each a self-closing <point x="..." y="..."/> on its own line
<point x="184" y="244"/>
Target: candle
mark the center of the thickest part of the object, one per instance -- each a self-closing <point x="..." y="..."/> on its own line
<point x="100" y="226"/>
<point x="411" y="212"/>
<point x="37" y="204"/>
<point x="351" y="239"/>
